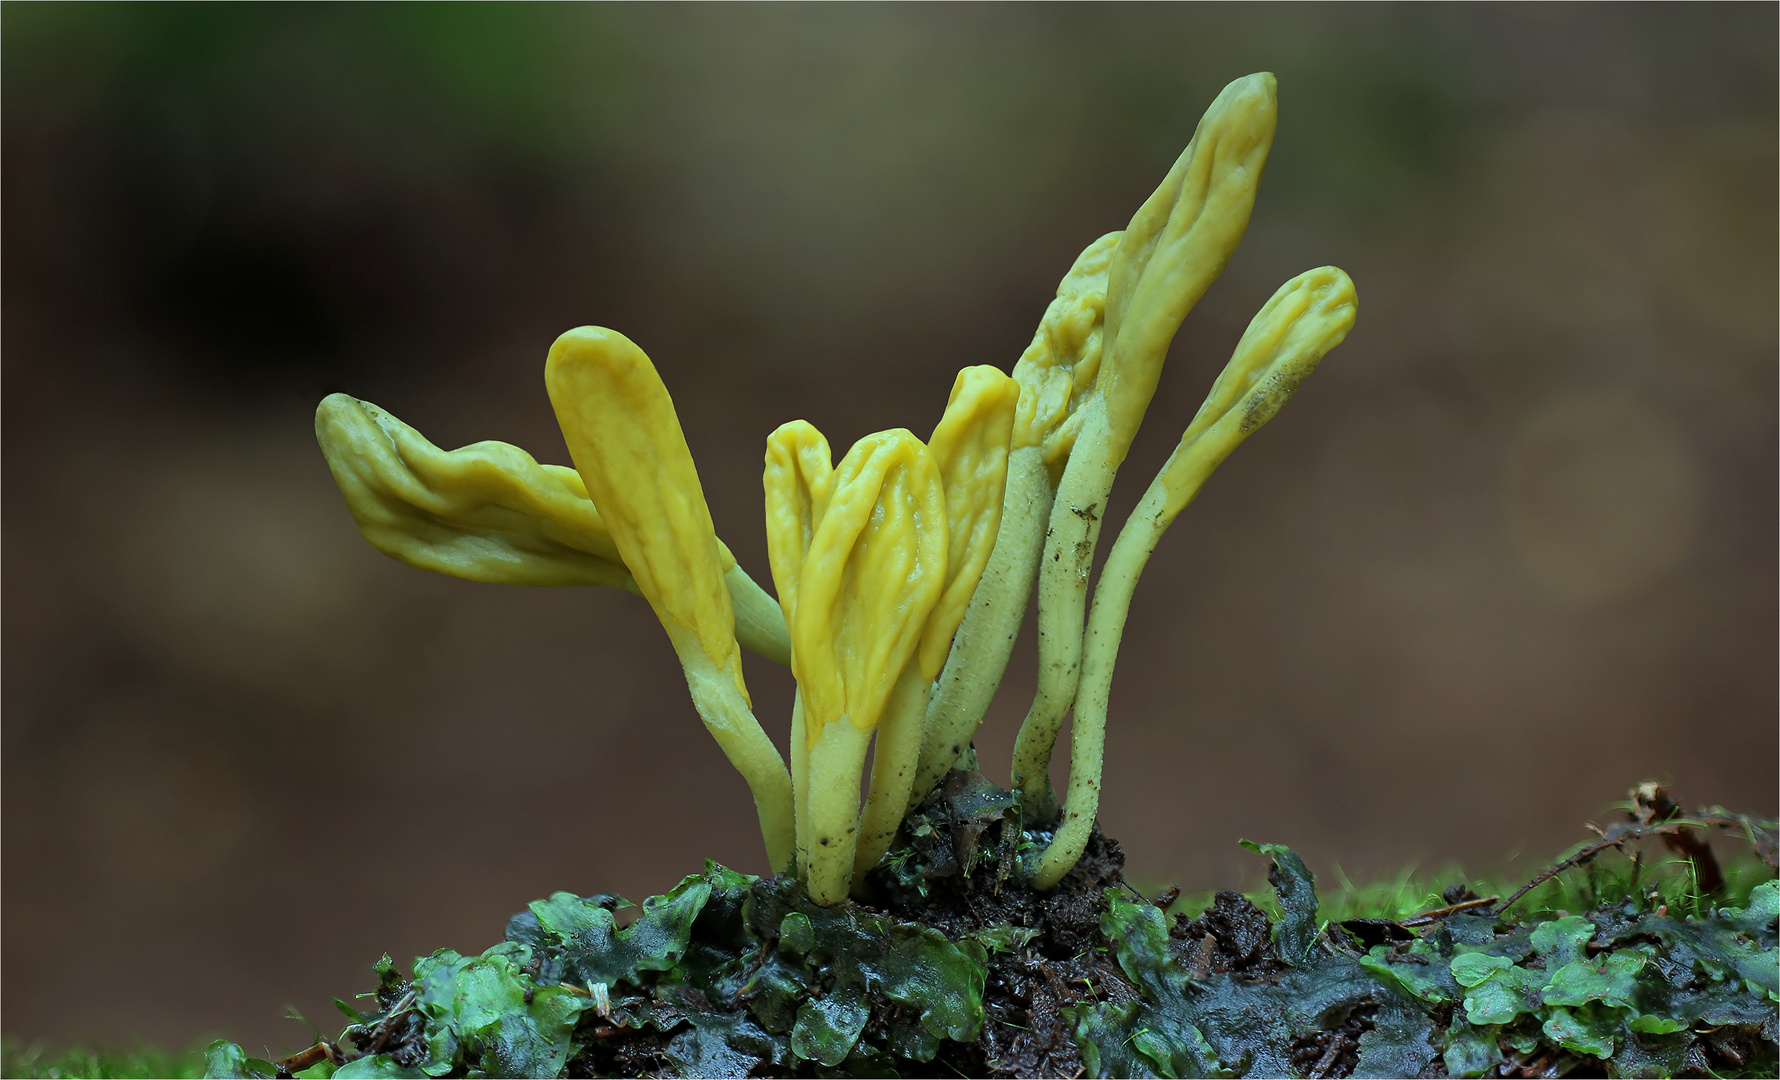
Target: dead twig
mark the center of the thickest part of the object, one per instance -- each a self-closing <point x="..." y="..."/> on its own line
<point x="1427" y="917"/>
<point x="321" y="1051"/>
<point x="1653" y="814"/>
<point x="386" y="1027"/>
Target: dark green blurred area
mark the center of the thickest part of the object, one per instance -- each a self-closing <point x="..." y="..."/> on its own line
<point x="1510" y="550"/>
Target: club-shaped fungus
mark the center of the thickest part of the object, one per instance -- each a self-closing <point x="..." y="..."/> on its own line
<point x="489" y="512"/>
<point x="904" y="572"/>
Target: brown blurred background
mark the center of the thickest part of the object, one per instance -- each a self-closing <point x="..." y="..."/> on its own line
<point x="1512" y="549"/>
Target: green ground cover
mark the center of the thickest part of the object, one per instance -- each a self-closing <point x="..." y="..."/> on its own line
<point x="1619" y="962"/>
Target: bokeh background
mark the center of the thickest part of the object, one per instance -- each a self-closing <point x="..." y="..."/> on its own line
<point x="1512" y="548"/>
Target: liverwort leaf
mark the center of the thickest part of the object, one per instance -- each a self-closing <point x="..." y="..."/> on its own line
<point x="797" y="935"/>
<point x="1139" y="933"/>
<point x="911" y="1039"/>
<point x="828" y="1027"/>
<point x="1610" y="978"/>
<point x="227" y="1059"/>
<point x="1562" y="941"/>
<point x="1174" y="1048"/>
<point x="1761" y="914"/>
<point x="1398" y="1044"/>
<point x="1760" y="968"/>
<point x="1471" y="1051"/>
<point x="1296" y="887"/>
<point x="1157" y="1050"/>
<point x="919" y="969"/>
<point x="718" y="1045"/>
<point x="1472" y="969"/>
<point x="376" y="1067"/>
<point x="1496" y="990"/>
<point x="1104" y="1033"/>
<point x="484" y="1008"/>
<point x="774" y="991"/>
<point x="537" y="1040"/>
<point x="1428" y="980"/>
<point x="578" y="940"/>
<point x="1589" y="1030"/>
<point x="1651" y="1055"/>
<point x="1655" y="1025"/>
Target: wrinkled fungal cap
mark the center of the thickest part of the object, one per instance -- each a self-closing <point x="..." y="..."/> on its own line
<point x="1058" y="370"/>
<point x="1283" y="344"/>
<point x="970" y="448"/>
<point x="1178" y="243"/>
<point x="488" y="512"/>
<point x="874" y="570"/>
<point x="626" y="442"/>
<point x="799" y="479"/>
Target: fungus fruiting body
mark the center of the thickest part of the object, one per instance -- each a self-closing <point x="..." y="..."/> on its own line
<point x="904" y="571"/>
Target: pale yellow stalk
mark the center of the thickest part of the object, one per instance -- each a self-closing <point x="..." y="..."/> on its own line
<point x="798" y="480"/>
<point x="1175" y="247"/>
<point x="892" y="768"/>
<point x="871" y="574"/>
<point x="1054" y="373"/>
<point x="626" y="442"/>
<point x="1307" y="317"/>
<point x="969" y="447"/>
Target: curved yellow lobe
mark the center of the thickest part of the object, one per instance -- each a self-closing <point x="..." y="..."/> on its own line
<point x="1059" y="370"/>
<point x="488" y="512"/>
<point x="798" y="480"/>
<point x="1178" y="243"/>
<point x="626" y="442"/>
<point x="970" y="447"/>
<point x="875" y="568"/>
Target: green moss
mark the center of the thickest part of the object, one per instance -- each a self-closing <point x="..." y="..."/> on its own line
<point x="37" y="1060"/>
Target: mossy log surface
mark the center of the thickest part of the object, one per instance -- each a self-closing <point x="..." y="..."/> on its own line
<point x="952" y="967"/>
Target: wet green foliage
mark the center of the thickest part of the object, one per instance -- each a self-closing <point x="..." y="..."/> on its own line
<point x="730" y="975"/>
<point x="1636" y="988"/>
<point x="723" y="975"/>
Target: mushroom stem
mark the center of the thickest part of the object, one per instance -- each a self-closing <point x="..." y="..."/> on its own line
<point x="759" y="624"/>
<point x="836" y="765"/>
<point x="1177" y="244"/>
<point x="899" y="746"/>
<point x="985" y="640"/>
<point x="1283" y="344"/>
<point x="1106" y="624"/>
<point x="800" y="784"/>
<point x="1062" y="601"/>
<point x="728" y="717"/>
<point x="622" y="432"/>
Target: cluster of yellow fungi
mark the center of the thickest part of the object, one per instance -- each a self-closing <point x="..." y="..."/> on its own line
<point x="903" y="573"/>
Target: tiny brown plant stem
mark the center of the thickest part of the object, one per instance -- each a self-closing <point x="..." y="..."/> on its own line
<point x="1451" y="909"/>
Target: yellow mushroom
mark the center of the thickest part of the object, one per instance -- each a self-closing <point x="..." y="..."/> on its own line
<point x="873" y="570"/>
<point x="799" y="478"/>
<point x="489" y="512"/>
<point x="1061" y="368"/>
<point x="1175" y="247"/>
<point x="1307" y="317"/>
<point x="626" y="442"/>
<point x="969" y="447"/>
<point x="909" y="560"/>
<point x="1054" y="375"/>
